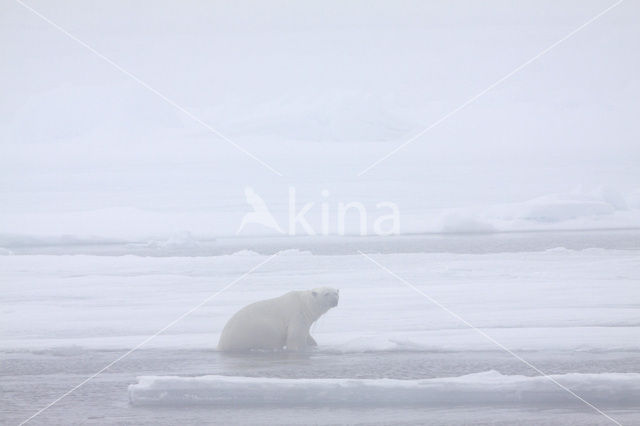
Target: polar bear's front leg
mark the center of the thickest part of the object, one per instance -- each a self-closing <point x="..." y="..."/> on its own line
<point x="311" y="341"/>
<point x="297" y="335"/>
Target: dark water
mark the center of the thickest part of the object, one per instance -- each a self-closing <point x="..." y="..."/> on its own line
<point x="626" y="239"/>
<point x="32" y="380"/>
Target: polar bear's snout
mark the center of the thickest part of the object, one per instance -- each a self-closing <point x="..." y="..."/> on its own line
<point x="333" y="298"/>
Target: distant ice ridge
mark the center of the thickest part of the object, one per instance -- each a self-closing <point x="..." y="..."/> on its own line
<point x="178" y="240"/>
<point x="488" y="387"/>
<point x="294" y="252"/>
<point x="245" y="252"/>
<point x="602" y="207"/>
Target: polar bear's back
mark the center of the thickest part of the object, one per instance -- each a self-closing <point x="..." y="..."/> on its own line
<point x="260" y="325"/>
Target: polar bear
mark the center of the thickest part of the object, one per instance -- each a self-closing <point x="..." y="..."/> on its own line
<point x="277" y="323"/>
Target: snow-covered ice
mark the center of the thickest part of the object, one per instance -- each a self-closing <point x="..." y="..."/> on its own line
<point x="484" y="388"/>
<point x="551" y="300"/>
<point x="572" y="313"/>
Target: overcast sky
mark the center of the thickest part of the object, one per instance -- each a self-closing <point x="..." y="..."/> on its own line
<point x="318" y="90"/>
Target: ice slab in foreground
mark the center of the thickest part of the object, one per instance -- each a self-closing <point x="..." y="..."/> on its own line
<point x="488" y="387"/>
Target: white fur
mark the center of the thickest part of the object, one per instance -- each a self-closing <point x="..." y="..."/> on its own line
<point x="277" y="323"/>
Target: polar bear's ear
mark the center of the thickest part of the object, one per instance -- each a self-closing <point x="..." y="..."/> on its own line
<point x="314" y="293"/>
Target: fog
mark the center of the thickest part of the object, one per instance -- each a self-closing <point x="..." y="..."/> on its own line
<point x="317" y="92"/>
<point x="485" y="154"/>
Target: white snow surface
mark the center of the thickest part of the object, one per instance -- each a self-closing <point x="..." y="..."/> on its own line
<point x="488" y="387"/>
<point x="555" y="300"/>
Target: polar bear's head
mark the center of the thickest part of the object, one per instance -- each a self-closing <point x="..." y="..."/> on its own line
<point x="319" y="300"/>
<point x="324" y="298"/>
